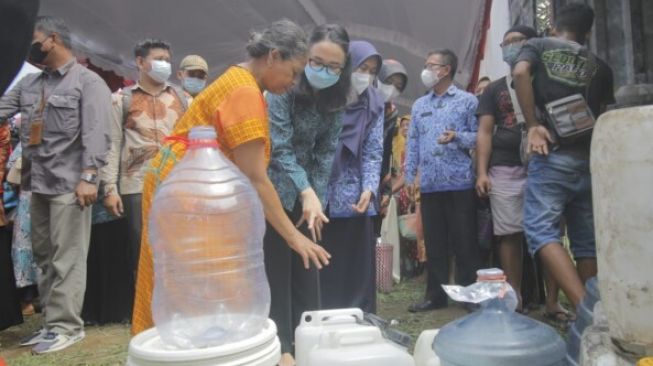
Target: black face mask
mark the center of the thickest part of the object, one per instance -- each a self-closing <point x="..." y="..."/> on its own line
<point x="36" y="55"/>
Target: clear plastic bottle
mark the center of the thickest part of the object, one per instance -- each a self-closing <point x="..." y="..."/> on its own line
<point x="206" y="231"/>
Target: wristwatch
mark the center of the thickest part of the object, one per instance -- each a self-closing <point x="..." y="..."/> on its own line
<point x="89" y="178"/>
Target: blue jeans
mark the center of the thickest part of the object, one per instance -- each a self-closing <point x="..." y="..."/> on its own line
<point x="559" y="185"/>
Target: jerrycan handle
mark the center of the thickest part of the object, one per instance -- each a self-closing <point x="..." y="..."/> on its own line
<point x="327" y="317"/>
<point x="355" y="336"/>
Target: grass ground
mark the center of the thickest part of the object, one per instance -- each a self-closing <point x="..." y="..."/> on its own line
<point x="107" y="345"/>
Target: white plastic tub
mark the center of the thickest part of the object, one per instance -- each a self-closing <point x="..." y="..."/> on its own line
<point x="264" y="349"/>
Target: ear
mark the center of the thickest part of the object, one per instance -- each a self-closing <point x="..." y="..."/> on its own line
<point x="180" y="75"/>
<point x="140" y="62"/>
<point x="448" y="67"/>
<point x="56" y="38"/>
<point x="274" y="55"/>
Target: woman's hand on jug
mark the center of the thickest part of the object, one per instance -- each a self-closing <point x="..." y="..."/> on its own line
<point x="309" y="251"/>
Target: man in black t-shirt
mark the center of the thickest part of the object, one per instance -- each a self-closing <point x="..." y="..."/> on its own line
<point x="559" y="181"/>
<point x="500" y="173"/>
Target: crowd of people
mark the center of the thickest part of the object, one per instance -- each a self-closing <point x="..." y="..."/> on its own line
<point x="310" y="120"/>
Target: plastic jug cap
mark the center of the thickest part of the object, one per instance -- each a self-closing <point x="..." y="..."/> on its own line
<point x="204" y="136"/>
<point x="202" y="133"/>
<point x="490" y="274"/>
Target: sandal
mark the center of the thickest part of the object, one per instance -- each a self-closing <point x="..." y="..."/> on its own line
<point x="560" y="317"/>
<point x="28" y="309"/>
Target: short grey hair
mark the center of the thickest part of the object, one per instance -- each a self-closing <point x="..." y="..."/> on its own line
<point x="283" y="35"/>
<point x="448" y="57"/>
<point x="49" y="25"/>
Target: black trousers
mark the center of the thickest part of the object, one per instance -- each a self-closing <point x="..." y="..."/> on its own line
<point x="109" y="296"/>
<point x="10" y="313"/>
<point x="133" y="206"/>
<point x="293" y="288"/>
<point x="349" y="281"/>
<point x="449" y="220"/>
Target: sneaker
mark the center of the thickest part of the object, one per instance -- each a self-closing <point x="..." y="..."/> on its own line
<point x="56" y="342"/>
<point x="34" y="338"/>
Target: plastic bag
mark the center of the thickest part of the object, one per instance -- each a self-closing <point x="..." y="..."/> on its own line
<point x="491" y="284"/>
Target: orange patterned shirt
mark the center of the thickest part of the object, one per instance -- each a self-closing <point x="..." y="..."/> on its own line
<point x="135" y="140"/>
<point x="235" y="106"/>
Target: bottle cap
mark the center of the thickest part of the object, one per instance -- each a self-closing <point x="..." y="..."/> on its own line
<point x="490" y="274"/>
<point x="202" y="133"/>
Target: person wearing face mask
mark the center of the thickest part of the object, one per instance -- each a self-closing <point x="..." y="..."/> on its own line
<point x="143" y="115"/>
<point x="64" y="133"/>
<point x="559" y="182"/>
<point x="392" y="82"/>
<point x="305" y="124"/>
<point x="235" y="106"/>
<point x="442" y="131"/>
<point x="193" y="73"/>
<point x="500" y="172"/>
<point x="353" y="190"/>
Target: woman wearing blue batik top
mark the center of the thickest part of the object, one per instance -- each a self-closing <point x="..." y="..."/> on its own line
<point x="305" y="124"/>
<point x="349" y="281"/>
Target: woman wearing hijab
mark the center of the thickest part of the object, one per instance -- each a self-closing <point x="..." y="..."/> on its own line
<point x="350" y="279"/>
<point x="305" y="125"/>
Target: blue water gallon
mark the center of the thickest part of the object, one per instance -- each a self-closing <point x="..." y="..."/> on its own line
<point x="497" y="336"/>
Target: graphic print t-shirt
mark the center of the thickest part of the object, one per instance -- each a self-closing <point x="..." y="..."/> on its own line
<point x="496" y="101"/>
<point x="563" y="68"/>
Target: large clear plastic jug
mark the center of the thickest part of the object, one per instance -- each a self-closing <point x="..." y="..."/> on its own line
<point x="206" y="232"/>
<point x="496" y="335"/>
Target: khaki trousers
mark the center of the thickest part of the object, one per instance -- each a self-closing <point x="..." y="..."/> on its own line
<point x="61" y="233"/>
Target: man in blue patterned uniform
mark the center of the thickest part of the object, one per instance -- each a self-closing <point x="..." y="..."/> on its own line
<point x="442" y="132"/>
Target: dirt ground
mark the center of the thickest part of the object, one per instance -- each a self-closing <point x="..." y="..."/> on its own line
<point x="107" y="345"/>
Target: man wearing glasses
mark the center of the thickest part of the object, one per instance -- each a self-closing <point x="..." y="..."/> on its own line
<point x="442" y="132"/>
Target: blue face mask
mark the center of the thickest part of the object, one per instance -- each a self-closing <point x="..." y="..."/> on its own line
<point x="511" y="52"/>
<point x="320" y="79"/>
<point x="194" y="85"/>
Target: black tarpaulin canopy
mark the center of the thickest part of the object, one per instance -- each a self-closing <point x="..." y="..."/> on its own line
<point x="406" y="30"/>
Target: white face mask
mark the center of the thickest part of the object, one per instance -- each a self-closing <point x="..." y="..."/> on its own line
<point x="429" y="78"/>
<point x="161" y="71"/>
<point x="361" y="81"/>
<point x="388" y="91"/>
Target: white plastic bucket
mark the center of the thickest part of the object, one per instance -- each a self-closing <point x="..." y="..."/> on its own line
<point x="264" y="349"/>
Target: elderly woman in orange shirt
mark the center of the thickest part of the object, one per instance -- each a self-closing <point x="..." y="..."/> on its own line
<point x="235" y="106"/>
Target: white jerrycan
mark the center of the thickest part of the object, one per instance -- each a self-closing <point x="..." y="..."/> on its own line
<point x="362" y="346"/>
<point x="314" y="323"/>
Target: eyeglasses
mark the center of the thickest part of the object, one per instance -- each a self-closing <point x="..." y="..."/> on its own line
<point x="510" y="41"/>
<point x="319" y="66"/>
<point x="433" y="66"/>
